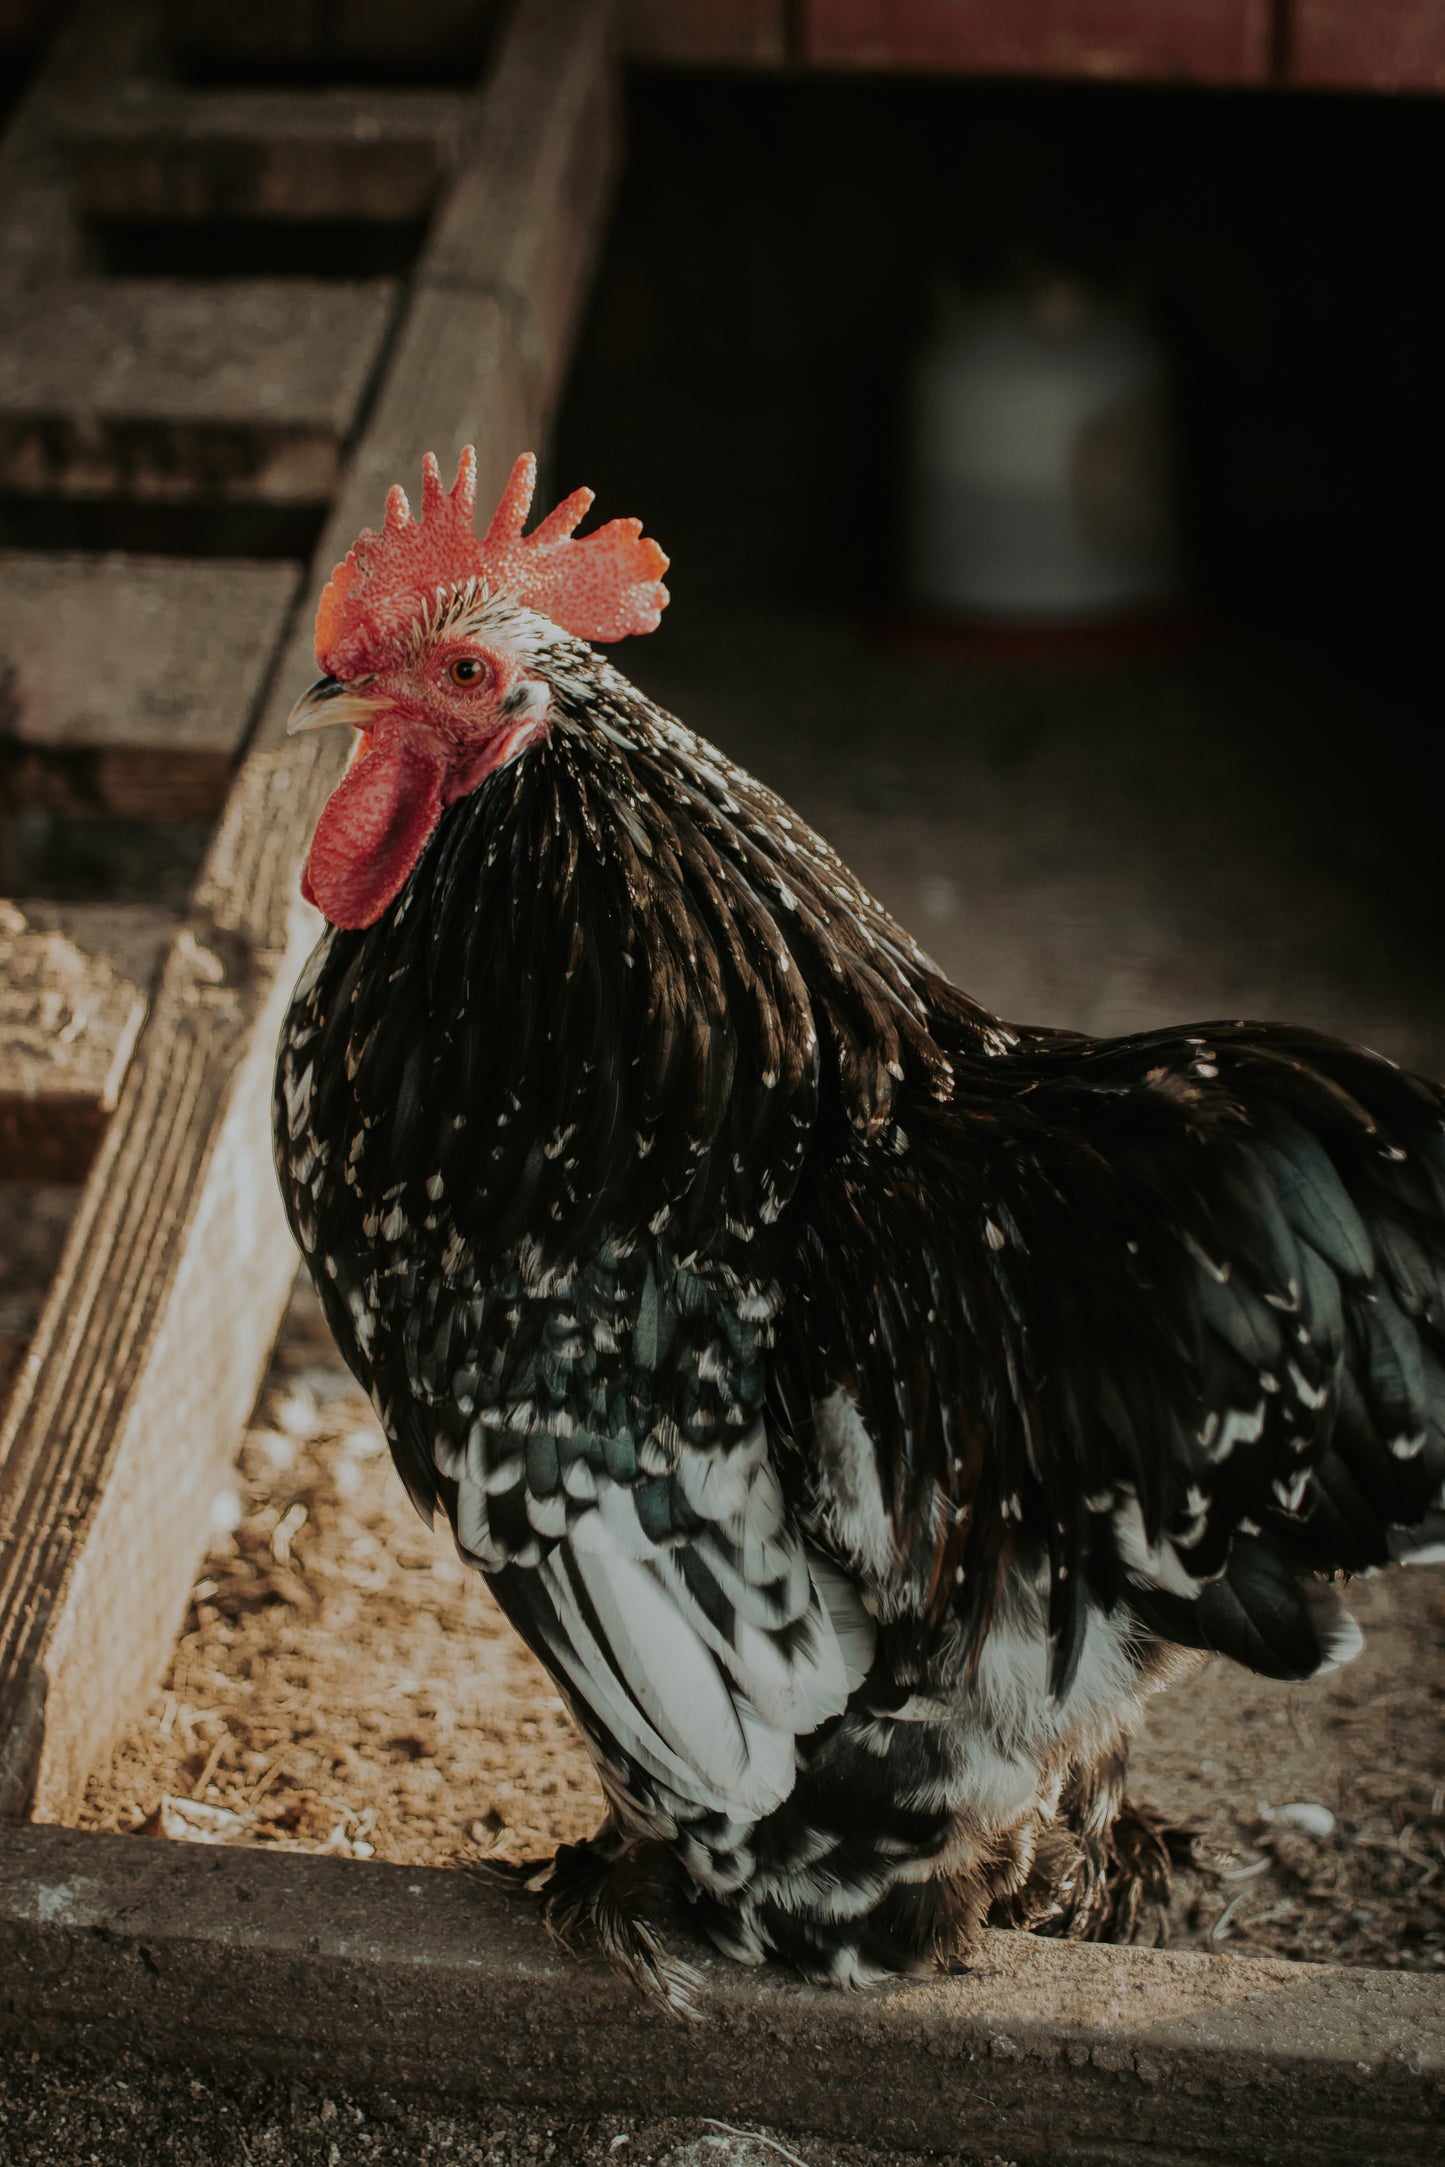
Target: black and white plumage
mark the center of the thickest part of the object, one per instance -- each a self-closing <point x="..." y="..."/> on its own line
<point x="859" y="1405"/>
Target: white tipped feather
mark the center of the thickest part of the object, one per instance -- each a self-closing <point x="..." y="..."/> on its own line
<point x="1157" y="1563"/>
<point x="548" y="1515"/>
<point x="613" y="1526"/>
<point x="722" y="1745"/>
<point x="770" y="1586"/>
<point x="1407" y="1552"/>
<point x="473" y="1530"/>
<point x="854" y="1630"/>
<point x="708" y="1696"/>
<point x="672" y="1677"/>
<point x="1423" y="1544"/>
<point x="1338" y="1628"/>
<point x="605" y="1700"/>
<point x="851" y="1506"/>
<point x="763" y="1514"/>
<point x="795" y="1680"/>
<point x="717" y="1485"/>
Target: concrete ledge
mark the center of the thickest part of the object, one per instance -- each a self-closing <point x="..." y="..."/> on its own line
<point x="371" y="1975"/>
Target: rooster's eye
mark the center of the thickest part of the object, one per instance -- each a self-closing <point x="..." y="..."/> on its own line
<point x="468" y="671"/>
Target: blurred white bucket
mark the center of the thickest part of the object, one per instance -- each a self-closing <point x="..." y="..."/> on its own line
<point x="1041" y="481"/>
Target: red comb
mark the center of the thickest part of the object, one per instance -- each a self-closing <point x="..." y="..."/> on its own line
<point x="602" y="587"/>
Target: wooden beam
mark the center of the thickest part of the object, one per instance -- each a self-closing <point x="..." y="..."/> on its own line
<point x="323" y="153"/>
<point x="34" y="1216"/>
<point x="706" y="33"/>
<point x="160" y="1320"/>
<point x="416" y="1978"/>
<point x="525" y="218"/>
<point x="75" y="983"/>
<point x="1192" y="41"/>
<point x="130" y="683"/>
<point x="263" y="35"/>
<point x="445" y="36"/>
<point x="243" y="389"/>
<point x="12" y="1353"/>
<point x="40" y="240"/>
<point x="279" y="36"/>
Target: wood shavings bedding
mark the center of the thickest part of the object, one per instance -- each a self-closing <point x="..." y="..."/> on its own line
<point x="343" y="1683"/>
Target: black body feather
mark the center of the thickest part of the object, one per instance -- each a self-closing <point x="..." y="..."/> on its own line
<point x="636" y="1130"/>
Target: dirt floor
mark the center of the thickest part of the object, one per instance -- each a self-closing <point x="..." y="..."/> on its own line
<point x="101" y="2115"/>
<point x="343" y="1684"/>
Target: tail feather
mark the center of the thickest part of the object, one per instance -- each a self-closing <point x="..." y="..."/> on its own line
<point x="1263" y="1613"/>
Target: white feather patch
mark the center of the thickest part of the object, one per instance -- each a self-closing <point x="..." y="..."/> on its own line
<point x="708" y="1688"/>
<point x="850" y="1495"/>
<point x="1338" y="1628"/>
<point x="669" y="1672"/>
<point x="1421" y="1548"/>
<point x="1157" y="1563"/>
<point x="718" y="1757"/>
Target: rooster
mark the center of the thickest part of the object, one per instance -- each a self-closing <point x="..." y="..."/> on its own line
<point x="859" y="1404"/>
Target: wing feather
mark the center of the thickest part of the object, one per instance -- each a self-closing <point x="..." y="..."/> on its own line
<point x="1184" y="1328"/>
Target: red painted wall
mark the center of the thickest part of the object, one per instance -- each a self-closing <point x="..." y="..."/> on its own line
<point x="1367" y="44"/>
<point x="1211" y="41"/>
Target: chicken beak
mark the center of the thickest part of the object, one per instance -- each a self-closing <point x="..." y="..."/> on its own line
<point x="329" y="700"/>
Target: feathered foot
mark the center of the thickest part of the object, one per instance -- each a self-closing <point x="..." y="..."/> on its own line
<point x="1103" y="1868"/>
<point x="596" y="1895"/>
<point x="1142" y="1850"/>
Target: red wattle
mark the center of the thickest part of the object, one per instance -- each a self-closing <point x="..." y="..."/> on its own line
<point x="377" y="822"/>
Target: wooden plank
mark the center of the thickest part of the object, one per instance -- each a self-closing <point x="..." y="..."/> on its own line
<point x="275" y="36"/>
<point x="157" y="152"/>
<point x="525" y="218"/>
<point x="34" y="1217"/>
<point x="446" y="35"/>
<point x="1388" y="45"/>
<point x="75" y="982"/>
<point x="161" y="1317"/>
<point x="128" y="684"/>
<point x="12" y="1353"/>
<point x="706" y="33"/>
<point x="1201" y="41"/>
<point x="40" y="239"/>
<point x="269" y="34"/>
<point x="374" y="1976"/>
<point x="149" y="388"/>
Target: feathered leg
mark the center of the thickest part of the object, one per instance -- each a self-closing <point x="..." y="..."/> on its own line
<point x="602" y="1894"/>
<point x="1103" y="1868"/>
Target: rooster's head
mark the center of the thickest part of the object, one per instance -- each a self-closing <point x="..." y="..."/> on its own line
<point x="418" y="657"/>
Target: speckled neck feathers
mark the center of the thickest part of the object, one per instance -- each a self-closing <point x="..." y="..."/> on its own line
<point x="625" y="987"/>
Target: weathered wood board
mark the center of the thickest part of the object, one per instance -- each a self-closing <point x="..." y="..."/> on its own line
<point x="523" y="219"/>
<point x="34" y="1218"/>
<point x="128" y="684"/>
<point x="161" y="1317"/>
<point x="158" y="389"/>
<point x="323" y="153"/>
<point x="369" y="1975"/>
<point x="75" y="983"/>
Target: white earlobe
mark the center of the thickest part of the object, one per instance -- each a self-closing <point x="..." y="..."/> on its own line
<point x="533" y="700"/>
